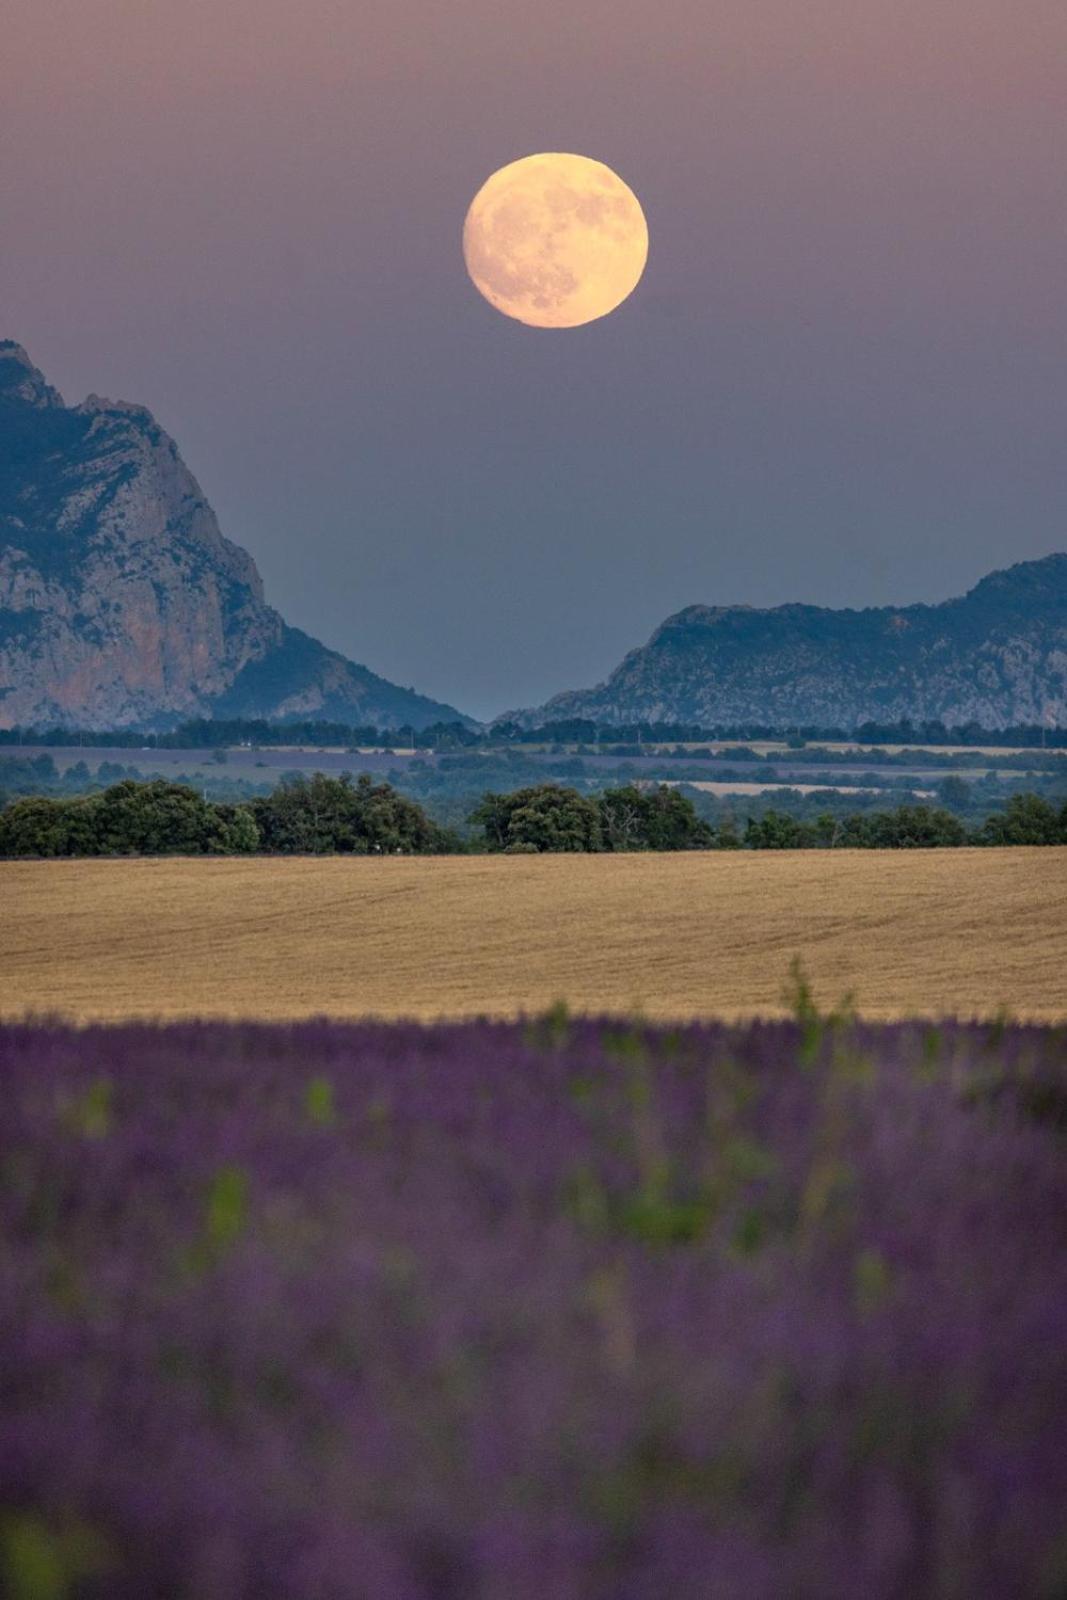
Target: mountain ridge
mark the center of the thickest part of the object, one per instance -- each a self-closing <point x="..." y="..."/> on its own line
<point x="122" y="604"/>
<point x="121" y="601"/>
<point x="996" y="655"/>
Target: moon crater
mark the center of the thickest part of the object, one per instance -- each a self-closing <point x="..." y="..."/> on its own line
<point x="555" y="240"/>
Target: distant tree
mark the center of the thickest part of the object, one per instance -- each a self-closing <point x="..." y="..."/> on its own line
<point x="549" y="817"/>
<point x="156" y="818"/>
<point x="775" y="830"/>
<point x="322" y="816"/>
<point x="726" y="835"/>
<point x="493" y="816"/>
<point x="906" y="828"/>
<point x="239" y="832"/>
<point x="1026" y="819"/>
<point x="825" y="830"/>
<point x="651" y="819"/>
<point x="39" y="826"/>
<point x="954" y="793"/>
<point x="446" y="736"/>
<point x="622" y="818"/>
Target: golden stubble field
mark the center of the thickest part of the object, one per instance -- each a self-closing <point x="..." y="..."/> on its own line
<point x="928" y="932"/>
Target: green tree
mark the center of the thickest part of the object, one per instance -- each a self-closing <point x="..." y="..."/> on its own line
<point x="954" y="793"/>
<point x="623" y="819"/>
<point x="826" y="830"/>
<point x="916" y="827"/>
<point x="239" y="833"/>
<point x="726" y="835"/>
<point x="775" y="830"/>
<point x="156" y="818"/>
<point x="651" y="819"/>
<point x="547" y="816"/>
<point x="1026" y="819"/>
<point x="38" y="826"/>
<point x="322" y="816"/>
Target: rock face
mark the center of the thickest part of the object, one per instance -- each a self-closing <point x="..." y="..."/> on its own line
<point x="121" y="604"/>
<point x="998" y="656"/>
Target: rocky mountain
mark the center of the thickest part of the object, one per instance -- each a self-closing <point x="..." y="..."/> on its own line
<point x="996" y="656"/>
<point x="121" y="604"/>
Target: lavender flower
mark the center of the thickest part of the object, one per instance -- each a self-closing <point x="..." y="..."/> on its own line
<point x="571" y="1309"/>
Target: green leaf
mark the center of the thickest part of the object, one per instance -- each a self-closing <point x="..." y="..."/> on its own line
<point x="227" y="1206"/>
<point x="319" y="1102"/>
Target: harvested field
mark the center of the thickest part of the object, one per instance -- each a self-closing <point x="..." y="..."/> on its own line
<point x="925" y="932"/>
<point x="727" y="787"/>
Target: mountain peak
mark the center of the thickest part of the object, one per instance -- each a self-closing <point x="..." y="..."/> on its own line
<point x="994" y="656"/>
<point x="1025" y="581"/>
<point x="122" y="603"/>
<point x="21" y="382"/>
<point x="96" y="404"/>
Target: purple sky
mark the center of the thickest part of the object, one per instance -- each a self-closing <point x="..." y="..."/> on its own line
<point x="843" y="378"/>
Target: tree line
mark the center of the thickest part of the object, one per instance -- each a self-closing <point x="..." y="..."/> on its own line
<point x="551" y="817"/>
<point x="1025" y="819"/>
<point x="321" y="815"/>
<point x="304" y="816"/>
<point x="210" y="733"/>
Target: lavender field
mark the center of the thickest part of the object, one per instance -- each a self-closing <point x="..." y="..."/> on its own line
<point x="563" y="1311"/>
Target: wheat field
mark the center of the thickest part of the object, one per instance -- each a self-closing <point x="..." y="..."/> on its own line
<point x="925" y="932"/>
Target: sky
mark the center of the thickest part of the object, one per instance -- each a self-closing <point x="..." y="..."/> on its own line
<point x="842" y="379"/>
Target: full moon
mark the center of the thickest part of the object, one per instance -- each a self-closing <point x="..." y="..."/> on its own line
<point x="555" y="240"/>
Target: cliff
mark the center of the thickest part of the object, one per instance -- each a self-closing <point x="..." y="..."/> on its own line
<point x="122" y="604"/>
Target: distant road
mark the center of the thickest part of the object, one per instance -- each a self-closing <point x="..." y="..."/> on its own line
<point x="929" y="932"/>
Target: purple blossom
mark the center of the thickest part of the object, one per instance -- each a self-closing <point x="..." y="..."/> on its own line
<point x="584" y="1310"/>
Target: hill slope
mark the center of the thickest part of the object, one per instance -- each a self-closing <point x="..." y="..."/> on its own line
<point x="120" y="601"/>
<point x="996" y="656"/>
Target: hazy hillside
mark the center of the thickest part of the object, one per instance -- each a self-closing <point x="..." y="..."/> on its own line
<point x="997" y="656"/>
<point x="121" y="602"/>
